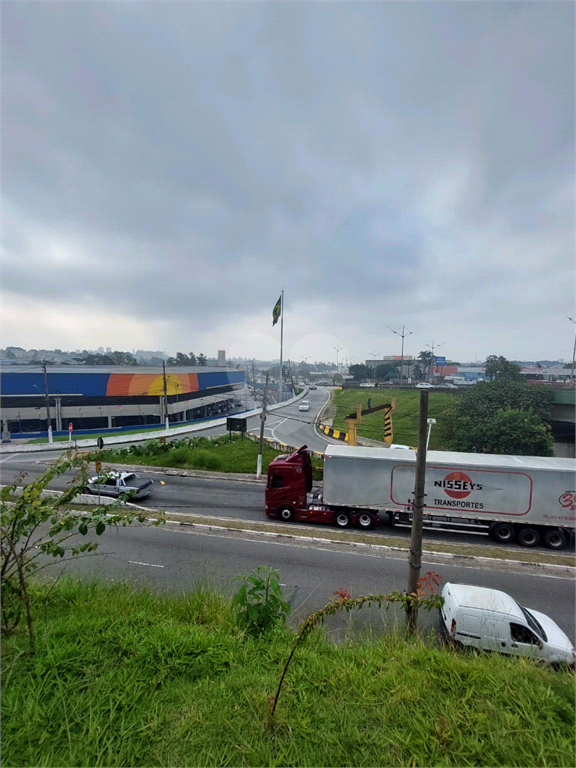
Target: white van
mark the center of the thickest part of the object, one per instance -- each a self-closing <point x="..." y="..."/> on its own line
<point x="493" y="621"/>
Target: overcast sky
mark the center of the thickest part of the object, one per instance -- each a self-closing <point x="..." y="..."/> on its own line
<point x="170" y="167"/>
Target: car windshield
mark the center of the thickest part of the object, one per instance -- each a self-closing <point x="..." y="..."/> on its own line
<point x="534" y="624"/>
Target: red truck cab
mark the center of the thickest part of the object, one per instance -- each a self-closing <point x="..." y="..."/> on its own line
<point x="289" y="482"/>
<point x="289" y="495"/>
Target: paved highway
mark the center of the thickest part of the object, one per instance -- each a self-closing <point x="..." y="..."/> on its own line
<point x="175" y="558"/>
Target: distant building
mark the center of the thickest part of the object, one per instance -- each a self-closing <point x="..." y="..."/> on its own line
<point x="221" y="358"/>
<point x="108" y="397"/>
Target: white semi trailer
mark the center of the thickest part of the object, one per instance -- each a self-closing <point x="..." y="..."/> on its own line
<point x="523" y="498"/>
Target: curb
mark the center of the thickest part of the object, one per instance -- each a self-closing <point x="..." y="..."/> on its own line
<point x="360" y="544"/>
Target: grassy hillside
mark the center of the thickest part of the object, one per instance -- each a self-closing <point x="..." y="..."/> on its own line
<point x="126" y="678"/>
<point x="404" y="416"/>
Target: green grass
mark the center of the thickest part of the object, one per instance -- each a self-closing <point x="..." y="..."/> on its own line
<point x="404" y="416"/>
<point x="217" y="454"/>
<point x="127" y="678"/>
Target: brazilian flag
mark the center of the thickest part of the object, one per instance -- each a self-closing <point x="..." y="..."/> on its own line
<point x="277" y="310"/>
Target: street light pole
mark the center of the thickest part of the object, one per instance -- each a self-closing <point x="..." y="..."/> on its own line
<point x="433" y="346"/>
<point x="402" y="335"/>
<point x="48" y="419"/>
<point x="337" y="348"/>
<point x="374" y="356"/>
<point x="573" y="352"/>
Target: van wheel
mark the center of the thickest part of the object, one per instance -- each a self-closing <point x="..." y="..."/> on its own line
<point x="286" y="514"/>
<point x="528" y="537"/>
<point x="365" y="521"/>
<point x="555" y="539"/>
<point x="502" y="532"/>
<point x="342" y="520"/>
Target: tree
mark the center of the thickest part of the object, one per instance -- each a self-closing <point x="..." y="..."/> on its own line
<point x="480" y="427"/>
<point x="192" y="358"/>
<point x="499" y="367"/>
<point x="202" y="360"/>
<point x="385" y="371"/>
<point x="509" y="431"/>
<point x="35" y="523"/>
<point x="361" y="372"/>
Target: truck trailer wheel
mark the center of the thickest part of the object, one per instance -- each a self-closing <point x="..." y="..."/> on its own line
<point x="528" y="537"/>
<point x="365" y="521"/>
<point x="286" y="514"/>
<point x="502" y="532"/>
<point x="555" y="539"/>
<point x="342" y="520"/>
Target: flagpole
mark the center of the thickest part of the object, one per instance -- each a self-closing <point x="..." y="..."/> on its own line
<point x="281" y="341"/>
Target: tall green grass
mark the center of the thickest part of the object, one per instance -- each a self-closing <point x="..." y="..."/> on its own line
<point x="218" y="454"/>
<point x="404" y="416"/>
<point x="128" y="678"/>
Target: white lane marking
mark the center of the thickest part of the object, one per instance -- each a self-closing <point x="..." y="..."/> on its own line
<point x="10" y="456"/>
<point x="279" y="424"/>
<point x="150" y="565"/>
<point x="425" y="559"/>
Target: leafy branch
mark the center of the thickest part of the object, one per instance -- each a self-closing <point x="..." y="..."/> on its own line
<point x="424" y="597"/>
<point x="34" y="524"/>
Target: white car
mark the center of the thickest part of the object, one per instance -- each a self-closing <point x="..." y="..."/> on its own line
<point x="117" y="483"/>
<point x="493" y="621"/>
<point x="424" y="385"/>
<point x="304" y="405"/>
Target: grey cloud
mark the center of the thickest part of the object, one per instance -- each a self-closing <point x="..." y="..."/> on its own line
<point x="189" y="147"/>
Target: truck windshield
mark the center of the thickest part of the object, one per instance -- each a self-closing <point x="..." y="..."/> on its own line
<point x="534" y="624"/>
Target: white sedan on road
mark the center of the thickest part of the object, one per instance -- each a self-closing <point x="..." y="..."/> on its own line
<point x="304" y="405"/>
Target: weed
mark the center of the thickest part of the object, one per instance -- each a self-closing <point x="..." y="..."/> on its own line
<point x="259" y="603"/>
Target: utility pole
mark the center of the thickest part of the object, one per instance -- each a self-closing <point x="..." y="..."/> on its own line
<point x="262" y="420"/>
<point x="573" y="320"/>
<point x="375" y="355"/>
<point x="48" y="419"/>
<point x="415" y="557"/>
<point x="432" y="346"/>
<point x="402" y="335"/>
<point x="337" y="348"/>
<point x="166" y="420"/>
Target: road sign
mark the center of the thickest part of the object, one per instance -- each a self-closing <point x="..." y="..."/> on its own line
<point x="70" y="427"/>
<point x="440" y="361"/>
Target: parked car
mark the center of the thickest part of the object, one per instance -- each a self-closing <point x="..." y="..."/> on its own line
<point x="304" y="405"/>
<point x="116" y="483"/>
<point x="491" y="620"/>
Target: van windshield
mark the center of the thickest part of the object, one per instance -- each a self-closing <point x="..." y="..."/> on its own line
<point x="534" y="624"/>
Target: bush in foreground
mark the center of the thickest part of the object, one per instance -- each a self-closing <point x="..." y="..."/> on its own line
<point x="126" y="678"/>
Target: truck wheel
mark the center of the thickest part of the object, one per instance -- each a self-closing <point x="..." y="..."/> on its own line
<point x="528" y="537"/>
<point x="286" y="514"/>
<point x="555" y="539"/>
<point x="365" y="521"/>
<point x="502" y="532"/>
<point x="342" y="520"/>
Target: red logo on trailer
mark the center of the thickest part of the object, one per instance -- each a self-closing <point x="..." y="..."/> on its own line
<point x="458" y="485"/>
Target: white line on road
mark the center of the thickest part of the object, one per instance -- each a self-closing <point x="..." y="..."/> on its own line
<point x="430" y="558"/>
<point x="150" y="565"/>
<point x="10" y="456"/>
